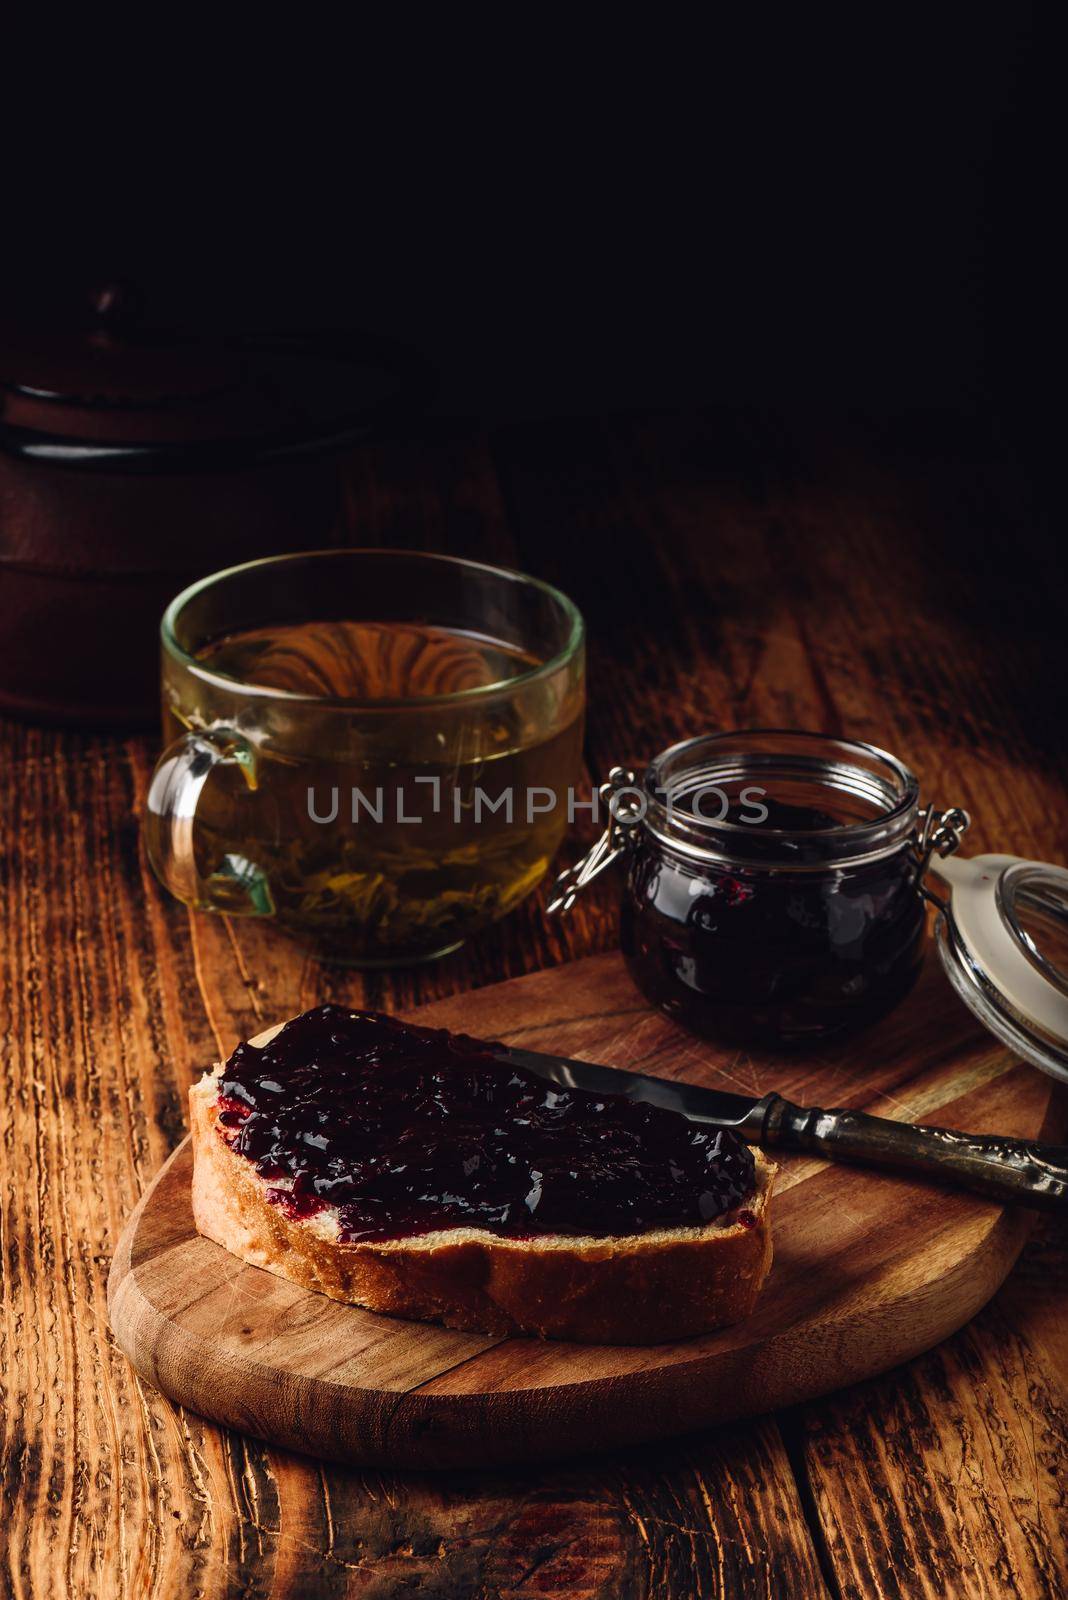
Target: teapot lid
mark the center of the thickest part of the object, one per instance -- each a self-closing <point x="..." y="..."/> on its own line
<point x="105" y="391"/>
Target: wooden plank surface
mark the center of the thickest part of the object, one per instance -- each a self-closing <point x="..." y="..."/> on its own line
<point x="892" y="580"/>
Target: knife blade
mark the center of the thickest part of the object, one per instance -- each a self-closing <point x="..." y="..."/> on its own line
<point x="1011" y="1171"/>
<point x="718" y="1107"/>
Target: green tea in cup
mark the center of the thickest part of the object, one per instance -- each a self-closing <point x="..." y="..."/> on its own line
<point x="377" y="750"/>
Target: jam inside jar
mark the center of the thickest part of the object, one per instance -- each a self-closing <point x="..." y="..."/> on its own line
<point x="773" y="886"/>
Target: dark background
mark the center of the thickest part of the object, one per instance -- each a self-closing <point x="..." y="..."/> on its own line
<point x="830" y="210"/>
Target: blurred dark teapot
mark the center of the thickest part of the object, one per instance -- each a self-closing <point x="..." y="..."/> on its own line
<point x="133" y="461"/>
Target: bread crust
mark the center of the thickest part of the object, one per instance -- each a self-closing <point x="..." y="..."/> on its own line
<point x="643" y="1289"/>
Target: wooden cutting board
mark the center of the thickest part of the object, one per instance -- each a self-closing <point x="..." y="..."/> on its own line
<point x="869" y="1269"/>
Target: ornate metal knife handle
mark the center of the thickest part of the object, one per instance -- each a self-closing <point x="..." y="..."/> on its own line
<point x="1013" y="1171"/>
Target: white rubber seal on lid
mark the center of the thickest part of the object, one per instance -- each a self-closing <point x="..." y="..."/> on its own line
<point x="1003" y="939"/>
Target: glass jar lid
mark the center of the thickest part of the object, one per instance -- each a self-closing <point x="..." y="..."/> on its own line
<point x="1002" y="935"/>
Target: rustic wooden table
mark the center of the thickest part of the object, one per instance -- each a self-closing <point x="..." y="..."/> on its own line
<point x="893" y="581"/>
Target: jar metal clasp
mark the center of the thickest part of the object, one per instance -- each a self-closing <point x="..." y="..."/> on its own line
<point x="625" y="808"/>
<point x="940" y="834"/>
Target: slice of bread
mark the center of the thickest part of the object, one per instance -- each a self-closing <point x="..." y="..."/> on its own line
<point x="670" y="1283"/>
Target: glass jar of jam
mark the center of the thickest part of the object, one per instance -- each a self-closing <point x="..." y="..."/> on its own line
<point x="776" y="885"/>
<point x="773" y="883"/>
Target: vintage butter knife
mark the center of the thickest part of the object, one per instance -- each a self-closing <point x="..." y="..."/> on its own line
<point x="1014" y="1171"/>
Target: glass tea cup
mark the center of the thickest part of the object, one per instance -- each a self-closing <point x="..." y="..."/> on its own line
<point x="372" y="748"/>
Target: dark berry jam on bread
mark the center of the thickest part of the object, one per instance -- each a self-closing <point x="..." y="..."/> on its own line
<point x="408" y="1130"/>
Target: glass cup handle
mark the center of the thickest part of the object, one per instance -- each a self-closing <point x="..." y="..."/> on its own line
<point x="170" y="815"/>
